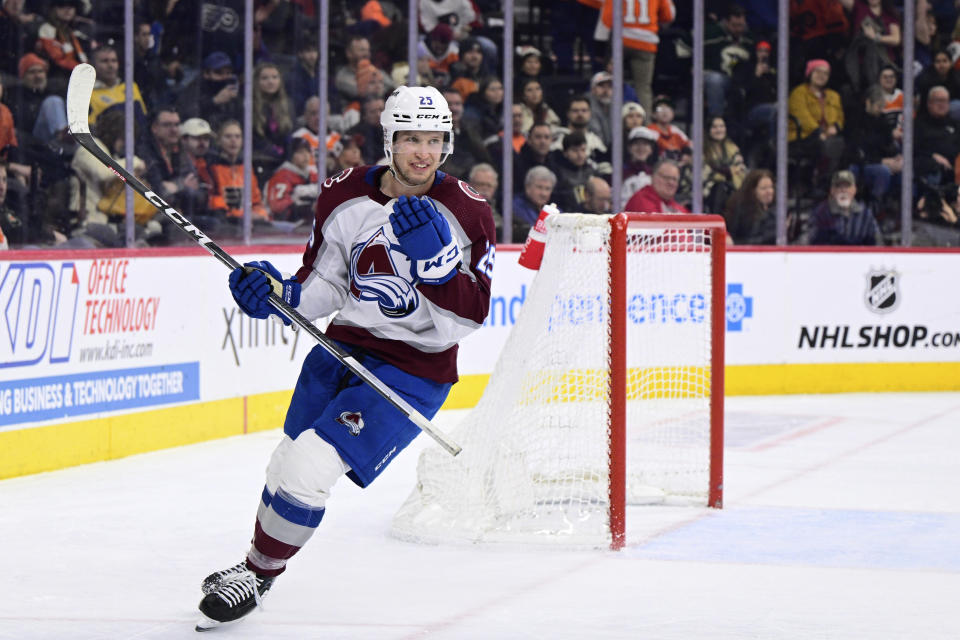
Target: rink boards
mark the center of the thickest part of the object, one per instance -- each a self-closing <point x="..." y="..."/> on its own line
<point x="108" y="353"/>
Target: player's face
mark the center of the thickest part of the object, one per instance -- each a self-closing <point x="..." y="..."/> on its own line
<point x="416" y="155"/>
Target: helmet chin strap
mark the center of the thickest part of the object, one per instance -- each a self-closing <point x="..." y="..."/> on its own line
<point x="396" y="175"/>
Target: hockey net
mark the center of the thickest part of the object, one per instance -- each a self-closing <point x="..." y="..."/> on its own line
<point x="609" y="391"/>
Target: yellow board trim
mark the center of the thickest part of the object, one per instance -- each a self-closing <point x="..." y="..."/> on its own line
<point x="874" y="377"/>
<point x="785" y="379"/>
<point x="33" y="450"/>
<point x="37" y="449"/>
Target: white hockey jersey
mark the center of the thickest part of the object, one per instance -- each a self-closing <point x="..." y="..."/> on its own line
<point x="353" y="264"/>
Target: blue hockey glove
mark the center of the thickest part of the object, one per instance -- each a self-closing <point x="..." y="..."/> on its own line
<point x="424" y="235"/>
<point x="252" y="284"/>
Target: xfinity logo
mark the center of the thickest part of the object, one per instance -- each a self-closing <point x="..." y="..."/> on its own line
<point x="739" y="307"/>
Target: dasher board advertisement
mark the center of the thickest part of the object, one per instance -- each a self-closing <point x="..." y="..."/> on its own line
<point x="842" y="307"/>
<point x="80" y="336"/>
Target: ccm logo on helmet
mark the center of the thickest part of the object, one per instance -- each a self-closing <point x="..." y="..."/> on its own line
<point x="428" y="116"/>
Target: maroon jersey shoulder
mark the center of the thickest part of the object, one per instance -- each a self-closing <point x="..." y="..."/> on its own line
<point x="472" y="211"/>
<point x="334" y="191"/>
<point x="342" y="186"/>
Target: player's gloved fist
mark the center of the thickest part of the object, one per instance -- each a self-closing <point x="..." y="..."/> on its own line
<point x="424" y="235"/>
<point x="419" y="227"/>
<point x="252" y="284"/>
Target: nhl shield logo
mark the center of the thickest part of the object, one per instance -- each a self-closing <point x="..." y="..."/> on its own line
<point x="883" y="294"/>
<point x="352" y="420"/>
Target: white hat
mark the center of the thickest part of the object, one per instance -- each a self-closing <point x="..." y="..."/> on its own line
<point x="600" y="76"/>
<point x="196" y="127"/>
<point x="632" y="107"/>
<point x="527" y="50"/>
<point x="643" y="133"/>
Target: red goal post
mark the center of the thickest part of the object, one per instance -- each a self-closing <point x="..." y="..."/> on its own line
<point x="679" y="224"/>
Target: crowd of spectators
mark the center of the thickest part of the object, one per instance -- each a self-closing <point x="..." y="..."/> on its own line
<point x="845" y="108"/>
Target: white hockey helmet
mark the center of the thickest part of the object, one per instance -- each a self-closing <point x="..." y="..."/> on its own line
<point x="416" y="108"/>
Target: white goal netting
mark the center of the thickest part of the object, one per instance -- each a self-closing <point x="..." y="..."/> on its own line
<point x="536" y="456"/>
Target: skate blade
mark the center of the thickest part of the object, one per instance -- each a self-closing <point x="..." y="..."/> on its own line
<point x="209" y="624"/>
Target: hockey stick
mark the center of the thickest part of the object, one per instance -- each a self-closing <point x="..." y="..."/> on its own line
<point x="79" y="91"/>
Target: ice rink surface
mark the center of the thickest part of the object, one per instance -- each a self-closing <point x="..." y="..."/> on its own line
<point x="841" y="520"/>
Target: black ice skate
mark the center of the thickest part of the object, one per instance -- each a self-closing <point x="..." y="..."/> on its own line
<point x="238" y="594"/>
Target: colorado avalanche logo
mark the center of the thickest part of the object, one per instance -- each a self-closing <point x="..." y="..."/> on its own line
<point x="374" y="276"/>
<point x="352" y="420"/>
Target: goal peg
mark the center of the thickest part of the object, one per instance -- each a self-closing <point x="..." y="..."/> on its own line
<point x="532" y="254"/>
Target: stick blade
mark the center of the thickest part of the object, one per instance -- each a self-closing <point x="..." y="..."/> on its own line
<point x="78" y="97"/>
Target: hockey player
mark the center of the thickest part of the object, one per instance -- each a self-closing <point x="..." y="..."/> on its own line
<point x="403" y="253"/>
